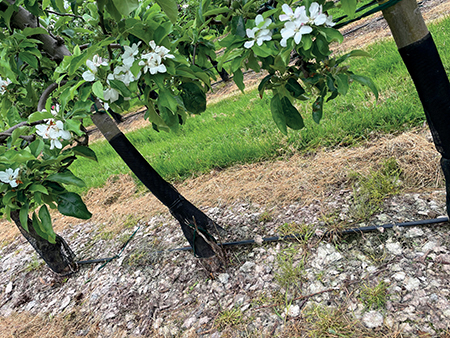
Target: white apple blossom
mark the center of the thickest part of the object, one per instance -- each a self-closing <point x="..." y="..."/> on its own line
<point x="93" y="65"/>
<point x="130" y="53"/>
<point x="329" y="21"/>
<point x="316" y="16"/>
<point x="111" y="95"/>
<point x="290" y="15"/>
<point x="3" y="85"/>
<point x="162" y="51"/>
<point x="152" y="63"/>
<point x="124" y="74"/>
<point x="260" y="33"/>
<point x="295" y="29"/>
<point x="57" y="133"/>
<point x="55" y="110"/>
<point x="54" y="131"/>
<point x="10" y="176"/>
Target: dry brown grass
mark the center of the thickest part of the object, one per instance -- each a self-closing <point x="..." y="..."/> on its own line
<point x="31" y="326"/>
<point x="301" y="178"/>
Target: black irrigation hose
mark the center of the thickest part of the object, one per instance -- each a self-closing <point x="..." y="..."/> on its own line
<point x="328" y="233"/>
<point x="284" y="238"/>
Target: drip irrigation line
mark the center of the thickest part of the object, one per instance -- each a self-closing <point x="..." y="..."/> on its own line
<point x="109" y="259"/>
<point x="359" y="230"/>
<point x="327" y="233"/>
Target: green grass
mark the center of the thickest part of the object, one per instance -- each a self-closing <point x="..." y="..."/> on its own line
<point x="240" y="129"/>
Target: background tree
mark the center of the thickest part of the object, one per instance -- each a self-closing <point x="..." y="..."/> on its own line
<point x="420" y="55"/>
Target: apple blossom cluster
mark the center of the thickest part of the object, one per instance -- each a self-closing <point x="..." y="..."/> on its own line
<point x="260" y="33"/>
<point x="298" y="23"/>
<point x="54" y="131"/>
<point x="11" y="177"/>
<point x="3" y="85"/>
<point x="153" y="61"/>
<point x="150" y="61"/>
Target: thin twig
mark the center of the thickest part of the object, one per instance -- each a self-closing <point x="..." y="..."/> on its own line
<point x="66" y="14"/>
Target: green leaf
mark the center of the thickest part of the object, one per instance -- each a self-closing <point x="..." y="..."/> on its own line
<point x="36" y="187"/>
<point x="85" y="152"/>
<point x="120" y="86"/>
<point x="46" y="224"/>
<point x="36" y="147"/>
<point x="317" y="109"/>
<point x="342" y="83"/>
<point x="112" y="10"/>
<point x="194" y="98"/>
<point x="37" y="225"/>
<point x="38" y="116"/>
<point x="294" y="88"/>
<point x="366" y="82"/>
<point x="170" y="8"/>
<point x="97" y="89"/>
<point x="277" y="113"/>
<point x="17" y="133"/>
<point x="238" y="26"/>
<point x="216" y="11"/>
<point x="76" y="62"/>
<point x="356" y="52"/>
<point x="45" y="3"/>
<point x="33" y="31"/>
<point x="293" y="118"/>
<point x="74" y="126"/>
<point x="262" y="85"/>
<point x="23" y="216"/>
<point x="331" y="34"/>
<point x="238" y="78"/>
<point x="252" y="63"/>
<point x="154" y="117"/>
<point x="125" y="7"/>
<point x="349" y="7"/>
<point x="71" y="204"/>
<point x="29" y="58"/>
<point x="66" y="177"/>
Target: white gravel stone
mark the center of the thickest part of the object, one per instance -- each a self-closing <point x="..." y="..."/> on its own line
<point x="412" y="283"/>
<point x="292" y="311"/>
<point x="247" y="267"/>
<point x="414" y="232"/>
<point x="223" y="278"/>
<point x="189" y="322"/>
<point x="399" y="276"/>
<point x="9" y="287"/>
<point x="394" y="248"/>
<point x="429" y="246"/>
<point x="64" y="303"/>
<point x="372" y="319"/>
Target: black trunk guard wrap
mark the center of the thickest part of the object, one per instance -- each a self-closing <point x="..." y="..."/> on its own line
<point x="191" y="219"/>
<point x="425" y="67"/>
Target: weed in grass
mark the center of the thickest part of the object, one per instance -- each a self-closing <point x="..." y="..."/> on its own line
<point x="375" y="297"/>
<point x="370" y="191"/>
<point x="302" y="232"/>
<point x="229" y="318"/>
<point x="329" y="322"/>
<point x="34" y="264"/>
<point x="265" y="217"/>
<point x="142" y="257"/>
<point x="334" y="225"/>
<point x="291" y="270"/>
